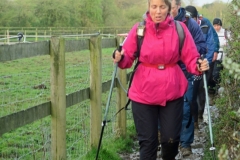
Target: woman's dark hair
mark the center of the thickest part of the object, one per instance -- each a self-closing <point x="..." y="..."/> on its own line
<point x="217" y="21"/>
<point x="192" y="10"/>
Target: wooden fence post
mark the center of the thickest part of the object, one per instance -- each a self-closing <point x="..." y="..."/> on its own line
<point x="121" y="99"/>
<point x="25" y="36"/>
<point x="77" y="33"/>
<point x="45" y="34"/>
<point x="36" y="35"/>
<point x="58" y="99"/>
<point x="8" y="37"/>
<point x="95" y="89"/>
<point x="50" y="31"/>
<point x="5" y="41"/>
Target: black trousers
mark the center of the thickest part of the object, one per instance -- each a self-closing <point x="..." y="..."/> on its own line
<point x="211" y="82"/>
<point x="194" y="108"/>
<point x="146" y="122"/>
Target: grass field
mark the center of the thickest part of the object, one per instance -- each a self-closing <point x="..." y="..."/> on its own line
<point x="26" y="82"/>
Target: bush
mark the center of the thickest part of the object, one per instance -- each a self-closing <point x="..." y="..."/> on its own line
<point x="227" y="129"/>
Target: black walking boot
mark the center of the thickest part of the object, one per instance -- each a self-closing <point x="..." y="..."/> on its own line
<point x="169" y="150"/>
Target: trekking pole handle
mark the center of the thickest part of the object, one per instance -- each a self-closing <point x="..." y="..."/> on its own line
<point x="202" y="57"/>
<point x="119" y="50"/>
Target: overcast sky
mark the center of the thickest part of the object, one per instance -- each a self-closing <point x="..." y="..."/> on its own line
<point x="202" y="2"/>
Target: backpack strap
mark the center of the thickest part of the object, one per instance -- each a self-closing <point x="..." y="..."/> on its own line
<point x="181" y="35"/>
<point x="140" y="36"/>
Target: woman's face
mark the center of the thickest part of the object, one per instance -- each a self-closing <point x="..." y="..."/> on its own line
<point x="158" y="10"/>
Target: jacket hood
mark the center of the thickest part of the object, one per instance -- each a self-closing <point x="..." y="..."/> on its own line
<point x="181" y="15"/>
<point x="161" y="25"/>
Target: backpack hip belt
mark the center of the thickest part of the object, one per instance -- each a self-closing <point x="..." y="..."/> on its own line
<point x="158" y="66"/>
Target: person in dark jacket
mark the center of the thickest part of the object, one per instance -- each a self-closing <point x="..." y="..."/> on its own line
<point x="189" y="113"/>
<point x="211" y="82"/>
<point x="208" y="32"/>
<point x="215" y="38"/>
<point x="158" y="85"/>
<point x="211" y="48"/>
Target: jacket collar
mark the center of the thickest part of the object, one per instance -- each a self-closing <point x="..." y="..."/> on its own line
<point x="181" y="15"/>
<point x="161" y="25"/>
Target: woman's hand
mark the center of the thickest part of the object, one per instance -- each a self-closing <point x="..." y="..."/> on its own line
<point x="202" y="65"/>
<point x="117" y="56"/>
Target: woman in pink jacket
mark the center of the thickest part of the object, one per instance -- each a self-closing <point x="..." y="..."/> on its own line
<point x="159" y="84"/>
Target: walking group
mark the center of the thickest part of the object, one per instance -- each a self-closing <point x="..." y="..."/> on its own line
<point x="178" y="45"/>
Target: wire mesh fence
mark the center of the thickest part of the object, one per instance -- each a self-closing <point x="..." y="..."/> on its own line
<point x="29" y="142"/>
<point x="26" y="82"/>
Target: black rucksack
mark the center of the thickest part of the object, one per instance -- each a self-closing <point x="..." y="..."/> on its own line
<point x="204" y="27"/>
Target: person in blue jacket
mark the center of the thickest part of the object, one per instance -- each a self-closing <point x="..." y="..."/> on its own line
<point x="215" y="38"/>
<point x="211" y="82"/>
<point x="208" y="32"/>
<point x="187" y="132"/>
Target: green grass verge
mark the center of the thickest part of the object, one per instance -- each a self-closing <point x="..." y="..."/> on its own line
<point x="112" y="147"/>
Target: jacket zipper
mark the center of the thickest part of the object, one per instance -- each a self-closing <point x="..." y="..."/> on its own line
<point x="157" y="28"/>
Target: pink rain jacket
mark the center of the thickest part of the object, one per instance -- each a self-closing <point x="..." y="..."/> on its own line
<point x="160" y="46"/>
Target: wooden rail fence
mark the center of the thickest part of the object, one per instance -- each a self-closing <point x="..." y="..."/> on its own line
<point x="56" y="107"/>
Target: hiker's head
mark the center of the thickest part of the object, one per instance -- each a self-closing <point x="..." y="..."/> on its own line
<point x="159" y="9"/>
<point x="193" y="11"/>
<point x="176" y="4"/>
<point x="200" y="16"/>
<point x="217" y="24"/>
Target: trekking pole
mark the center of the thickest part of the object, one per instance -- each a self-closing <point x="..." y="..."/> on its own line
<point x="209" y="115"/>
<point x="107" y="107"/>
<point x="108" y="101"/>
